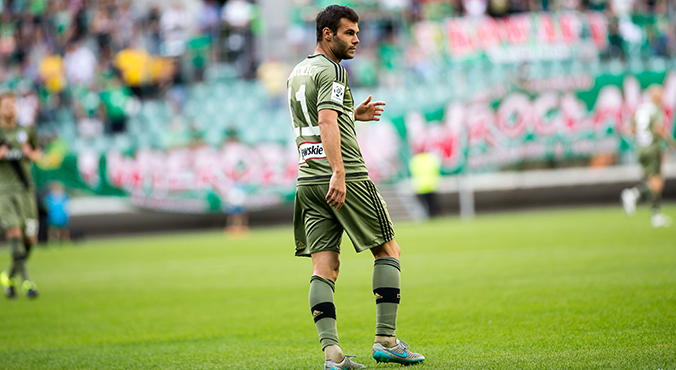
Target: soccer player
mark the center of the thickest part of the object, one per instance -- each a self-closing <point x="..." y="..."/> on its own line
<point x="334" y="192"/>
<point x="18" y="210"/>
<point x="648" y="125"/>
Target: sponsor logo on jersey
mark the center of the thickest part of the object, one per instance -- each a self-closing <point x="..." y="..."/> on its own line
<point x="308" y="151"/>
<point x="22" y="137"/>
<point x="337" y="92"/>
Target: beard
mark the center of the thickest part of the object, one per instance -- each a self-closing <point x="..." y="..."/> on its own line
<point x="341" y="50"/>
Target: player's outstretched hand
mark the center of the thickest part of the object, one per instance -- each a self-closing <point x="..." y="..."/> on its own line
<point x="337" y="190"/>
<point x="369" y="111"/>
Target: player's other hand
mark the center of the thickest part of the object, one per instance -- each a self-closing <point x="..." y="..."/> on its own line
<point x="3" y="151"/>
<point x="337" y="190"/>
<point x="368" y="110"/>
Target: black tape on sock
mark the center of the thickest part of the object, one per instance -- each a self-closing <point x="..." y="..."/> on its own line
<point x="387" y="295"/>
<point x="323" y="310"/>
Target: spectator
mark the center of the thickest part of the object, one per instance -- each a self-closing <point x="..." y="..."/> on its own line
<point x="125" y="27"/>
<point x="80" y="64"/>
<point x="152" y="25"/>
<point x="272" y="74"/>
<point x="114" y="100"/>
<point x="209" y="24"/>
<point x="26" y="107"/>
<point x="173" y="27"/>
<point x="425" y="177"/>
<point x="58" y="215"/>
<point x="102" y="29"/>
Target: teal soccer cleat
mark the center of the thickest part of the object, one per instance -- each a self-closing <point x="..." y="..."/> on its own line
<point x="398" y="354"/>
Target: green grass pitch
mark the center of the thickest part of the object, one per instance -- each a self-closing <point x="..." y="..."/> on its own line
<point x="560" y="289"/>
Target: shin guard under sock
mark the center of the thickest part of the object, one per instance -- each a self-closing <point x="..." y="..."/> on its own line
<point x="656" y="202"/>
<point x="18" y="258"/>
<point x="643" y="191"/>
<point x="323" y="309"/>
<point x="386" y="289"/>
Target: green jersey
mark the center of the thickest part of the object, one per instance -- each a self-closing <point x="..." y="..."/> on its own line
<point x="15" y="170"/>
<point x="319" y="83"/>
<point x="646" y="120"/>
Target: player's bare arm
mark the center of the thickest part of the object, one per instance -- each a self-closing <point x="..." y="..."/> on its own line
<point x="330" y="134"/>
<point x="369" y="111"/>
<point x="31" y="153"/>
<point x="3" y="151"/>
<point x="664" y="133"/>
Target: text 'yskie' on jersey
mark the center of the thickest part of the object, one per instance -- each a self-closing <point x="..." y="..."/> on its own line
<point x="319" y="83"/>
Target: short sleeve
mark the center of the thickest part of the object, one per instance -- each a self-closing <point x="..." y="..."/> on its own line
<point x="331" y="89"/>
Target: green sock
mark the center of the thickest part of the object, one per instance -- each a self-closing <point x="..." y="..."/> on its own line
<point x="323" y="309"/>
<point x="656" y="202"/>
<point x="386" y="288"/>
<point x="18" y="258"/>
<point x="643" y="191"/>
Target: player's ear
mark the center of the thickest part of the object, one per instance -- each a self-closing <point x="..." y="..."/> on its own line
<point x="327" y="33"/>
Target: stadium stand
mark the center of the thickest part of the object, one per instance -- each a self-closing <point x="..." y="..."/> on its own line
<point x="114" y="77"/>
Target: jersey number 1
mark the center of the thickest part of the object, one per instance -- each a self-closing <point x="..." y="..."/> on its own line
<point x="309" y="129"/>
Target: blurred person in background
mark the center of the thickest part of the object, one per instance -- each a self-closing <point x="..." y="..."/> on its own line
<point x="209" y="24"/>
<point x="173" y="28"/>
<point x="27" y="106"/>
<point x="334" y="193"/>
<point x="58" y="216"/>
<point x="18" y="209"/>
<point x="649" y="128"/>
<point x="114" y="101"/>
<point x="239" y="17"/>
<point x="79" y="63"/>
<point x="272" y="73"/>
<point x="237" y="224"/>
<point x="102" y="27"/>
<point x="152" y="28"/>
<point x="425" y="177"/>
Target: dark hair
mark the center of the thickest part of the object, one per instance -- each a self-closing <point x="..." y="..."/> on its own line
<point x="331" y="16"/>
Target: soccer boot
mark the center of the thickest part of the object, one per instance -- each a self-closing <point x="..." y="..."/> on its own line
<point x="660" y="220"/>
<point x="7" y="285"/>
<point x="30" y="289"/>
<point x="399" y="354"/>
<point x="629" y="199"/>
<point x="346" y="364"/>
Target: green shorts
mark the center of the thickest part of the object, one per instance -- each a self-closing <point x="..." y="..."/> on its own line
<point x="650" y="158"/>
<point x="319" y="227"/>
<point x="19" y="210"/>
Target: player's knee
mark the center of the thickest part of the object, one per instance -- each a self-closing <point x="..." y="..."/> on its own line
<point x="328" y="270"/>
<point x="389" y="249"/>
<point x="14" y="232"/>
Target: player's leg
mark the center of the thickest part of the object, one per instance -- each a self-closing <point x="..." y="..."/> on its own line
<point x="10" y="220"/>
<point x="366" y="220"/>
<point x="29" y="212"/>
<point x="386" y="284"/>
<point x="318" y="234"/>
<point x="658" y="219"/>
<point x="18" y="261"/>
<point x="325" y="267"/>
<point x="632" y="196"/>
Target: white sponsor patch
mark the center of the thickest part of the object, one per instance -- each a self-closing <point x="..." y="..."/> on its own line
<point x="337" y="93"/>
<point x="22" y="137"/>
<point x="308" y="151"/>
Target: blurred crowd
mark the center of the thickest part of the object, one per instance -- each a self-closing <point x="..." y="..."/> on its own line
<point x="635" y="27"/>
<point x="100" y="57"/>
